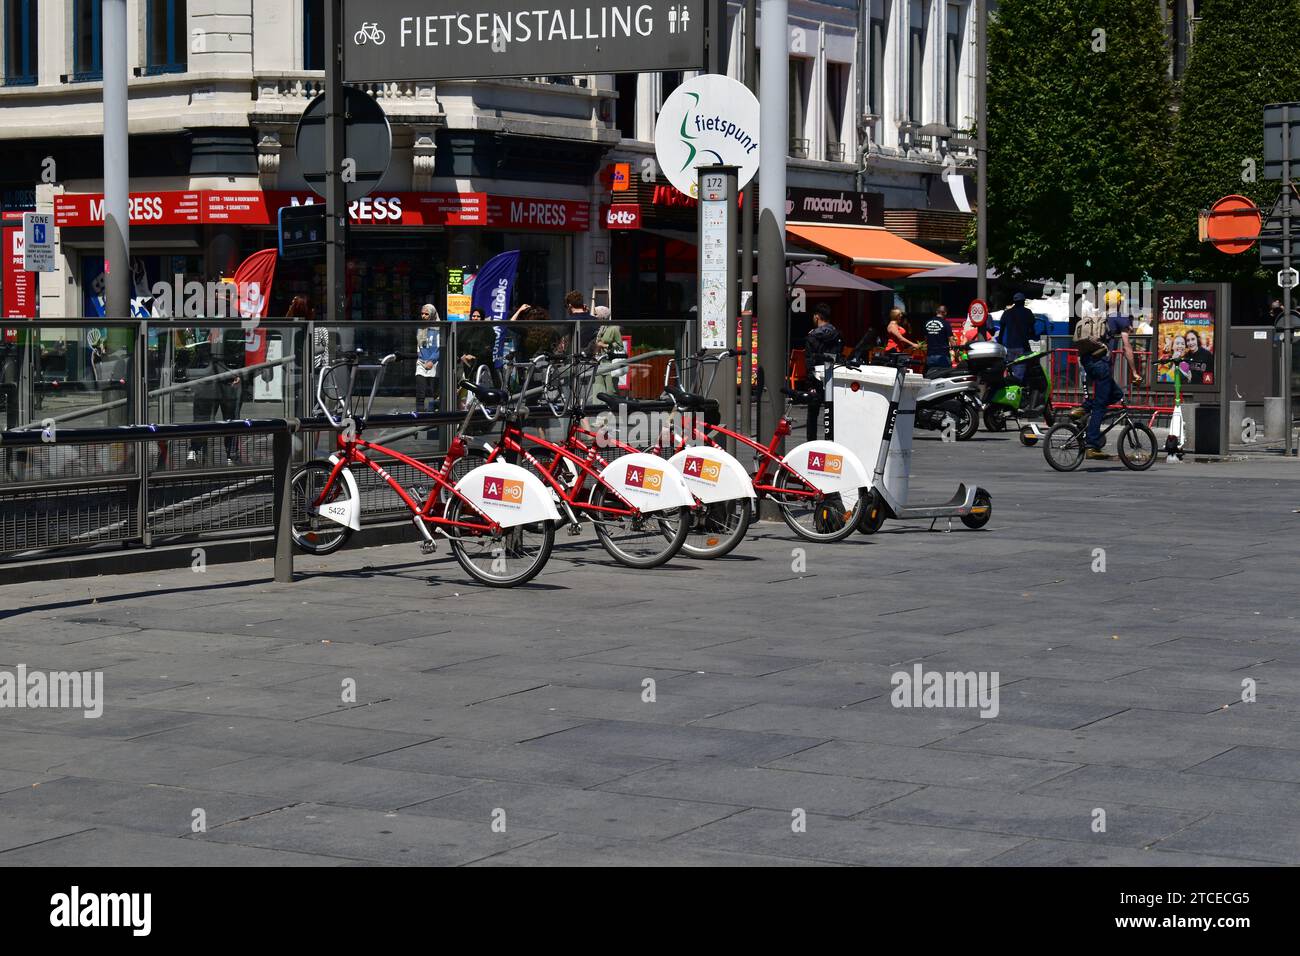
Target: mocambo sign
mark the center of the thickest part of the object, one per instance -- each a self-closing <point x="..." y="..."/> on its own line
<point x="466" y="39"/>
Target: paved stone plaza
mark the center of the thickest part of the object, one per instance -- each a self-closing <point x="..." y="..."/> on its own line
<point x="510" y="727"/>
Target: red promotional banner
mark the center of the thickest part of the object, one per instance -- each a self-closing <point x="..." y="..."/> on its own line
<point x="19" y="285"/>
<point x="253" y="284"/>
<point x="553" y="215"/>
<point x="623" y="216"/>
<point x="399" y="209"/>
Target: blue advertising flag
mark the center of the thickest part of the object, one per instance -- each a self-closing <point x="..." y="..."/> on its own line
<point x="493" y="285"/>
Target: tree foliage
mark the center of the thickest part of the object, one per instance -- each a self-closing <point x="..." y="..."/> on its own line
<point x="1079" y="131"/>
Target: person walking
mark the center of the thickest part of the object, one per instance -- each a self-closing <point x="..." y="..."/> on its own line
<point x="897" y="333"/>
<point x="428" y="342"/>
<point x="821" y="346"/>
<point x="1016" y="330"/>
<point x="939" y="341"/>
<point x="212" y="394"/>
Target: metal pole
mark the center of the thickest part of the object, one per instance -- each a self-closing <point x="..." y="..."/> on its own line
<point x="981" y="151"/>
<point x="336" y="221"/>
<point x="773" y="322"/>
<point x="117" y="223"/>
<point x="747" y="244"/>
<point x="1284" y="358"/>
<point x="282" y="452"/>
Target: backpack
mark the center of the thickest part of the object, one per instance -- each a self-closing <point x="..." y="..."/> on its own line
<point x="1090" y="336"/>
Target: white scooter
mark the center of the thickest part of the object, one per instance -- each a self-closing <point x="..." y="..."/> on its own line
<point x="971" y="504"/>
<point x="945" y="402"/>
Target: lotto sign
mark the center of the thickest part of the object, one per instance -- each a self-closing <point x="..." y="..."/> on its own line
<point x="826" y="463"/>
<point x="505" y="490"/>
<point x="647" y="479"/>
<point x="702" y="469"/>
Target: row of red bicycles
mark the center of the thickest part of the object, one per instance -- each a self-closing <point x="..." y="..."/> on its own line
<point x="553" y="458"/>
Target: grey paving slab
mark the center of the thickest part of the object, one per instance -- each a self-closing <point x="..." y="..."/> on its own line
<point x="152" y="809"/>
<point x="602" y="704"/>
<point x="373" y="836"/>
<point x="112" y="846"/>
<point x="1068" y="853"/>
<point x="324" y="782"/>
<point x="566" y="809"/>
<point x="1092" y="745"/>
<point x="477" y="722"/>
<point x="881" y="725"/>
<point x="709" y="782"/>
<point x="1271" y="839"/>
<point x="626" y="738"/>
<point x="458" y="757"/>
<point x="861" y="842"/>
<point x="1034" y="815"/>
<point x="251" y="735"/>
<point x="18" y="832"/>
<point x="143" y="761"/>
<point x="1253" y="763"/>
<point x="926" y="765"/>
<point x="1186" y="790"/>
<point x="1228" y="726"/>
<point x="568" y="849"/>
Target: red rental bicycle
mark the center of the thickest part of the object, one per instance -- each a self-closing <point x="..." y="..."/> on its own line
<point x="639" y="505"/>
<point x="820" y="487"/>
<point x="498" y="519"/>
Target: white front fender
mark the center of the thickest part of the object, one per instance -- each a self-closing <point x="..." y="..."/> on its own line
<point x="346" y="512"/>
<point x="648" y="482"/>
<point x="828" y="466"/>
<point x="712" y="474"/>
<point x="507" y="494"/>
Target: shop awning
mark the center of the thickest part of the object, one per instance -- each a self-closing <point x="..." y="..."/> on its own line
<point x="875" y="252"/>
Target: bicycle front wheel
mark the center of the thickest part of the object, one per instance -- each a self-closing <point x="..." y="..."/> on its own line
<point x="311" y="531"/>
<point x="511" y="557"/>
<point x="1063" y="447"/>
<point x="826" y="516"/>
<point x="716" y="529"/>
<point x="642" y="540"/>
<point x="1137" y="447"/>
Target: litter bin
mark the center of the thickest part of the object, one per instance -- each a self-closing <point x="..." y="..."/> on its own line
<point x="1206" y="437"/>
<point x="860" y="402"/>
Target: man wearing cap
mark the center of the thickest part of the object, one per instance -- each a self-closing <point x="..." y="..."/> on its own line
<point x="1015" y="332"/>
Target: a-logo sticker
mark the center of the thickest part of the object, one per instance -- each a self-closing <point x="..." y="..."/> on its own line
<point x="703" y="469"/>
<point x="647" y="479"/>
<point x="826" y="463"/>
<point x="505" y="490"/>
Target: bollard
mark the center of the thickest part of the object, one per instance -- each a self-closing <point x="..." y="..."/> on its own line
<point x="282" y="449"/>
<point x="1274" y="419"/>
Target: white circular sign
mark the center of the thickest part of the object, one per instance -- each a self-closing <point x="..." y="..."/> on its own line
<point x="707" y="121"/>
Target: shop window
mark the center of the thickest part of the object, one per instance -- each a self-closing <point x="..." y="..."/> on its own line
<point x="313" y="35"/>
<point x="20" y="26"/>
<point x="837" y="96"/>
<point x="167" y="34"/>
<point x="669" y="81"/>
<point x="87" y="32"/>
<point x="625" y="106"/>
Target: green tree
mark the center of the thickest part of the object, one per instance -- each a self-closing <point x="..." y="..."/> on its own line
<point x="1243" y="58"/>
<point x="1079" y="125"/>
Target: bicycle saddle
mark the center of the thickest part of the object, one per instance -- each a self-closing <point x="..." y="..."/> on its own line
<point x="614" y="402"/>
<point x="488" y="396"/>
<point x="799" y="398"/>
<point x="687" y="400"/>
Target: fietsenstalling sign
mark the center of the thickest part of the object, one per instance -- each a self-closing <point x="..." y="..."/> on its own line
<point x="469" y="39"/>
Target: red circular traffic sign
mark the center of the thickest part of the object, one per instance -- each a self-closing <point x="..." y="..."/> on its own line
<point x="1233" y="225"/>
<point x="978" y="311"/>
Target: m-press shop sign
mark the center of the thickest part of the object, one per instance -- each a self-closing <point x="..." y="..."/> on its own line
<point x="387" y="40"/>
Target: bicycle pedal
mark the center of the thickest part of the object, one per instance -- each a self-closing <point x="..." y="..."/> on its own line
<point x="428" y="547"/>
<point x="575" y="530"/>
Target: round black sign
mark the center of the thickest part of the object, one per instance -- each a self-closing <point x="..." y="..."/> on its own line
<point x="367" y="144"/>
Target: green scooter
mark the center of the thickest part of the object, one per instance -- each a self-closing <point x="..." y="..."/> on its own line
<point x="1005" y="398"/>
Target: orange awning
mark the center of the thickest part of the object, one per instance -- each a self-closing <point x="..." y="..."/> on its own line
<point x="875" y="252"/>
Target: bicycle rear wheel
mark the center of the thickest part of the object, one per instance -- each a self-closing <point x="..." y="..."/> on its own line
<point x="828" y="516"/>
<point x="1063" y="447"/>
<point x="312" y="532"/>
<point x="509" y="558"/>
<point x="1137" y="447"/>
<point x="639" y="541"/>
<point x="717" y="528"/>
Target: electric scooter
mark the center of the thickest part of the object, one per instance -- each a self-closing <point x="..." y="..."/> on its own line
<point x="947" y="399"/>
<point x="971" y="504"/>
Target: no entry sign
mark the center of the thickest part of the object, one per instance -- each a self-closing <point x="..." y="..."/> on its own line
<point x="387" y="40"/>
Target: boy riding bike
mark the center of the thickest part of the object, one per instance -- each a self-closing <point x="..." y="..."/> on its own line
<point x="1095" y="337"/>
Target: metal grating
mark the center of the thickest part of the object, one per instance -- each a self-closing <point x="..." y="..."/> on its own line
<point x="67" y="462"/>
<point x="60" y="517"/>
<point x="211" y="503"/>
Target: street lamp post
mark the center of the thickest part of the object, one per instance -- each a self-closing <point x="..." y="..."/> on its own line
<point x="981" y="151"/>
<point x="117" y="183"/>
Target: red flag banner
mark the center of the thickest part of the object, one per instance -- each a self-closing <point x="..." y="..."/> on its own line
<point x="253" y="286"/>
